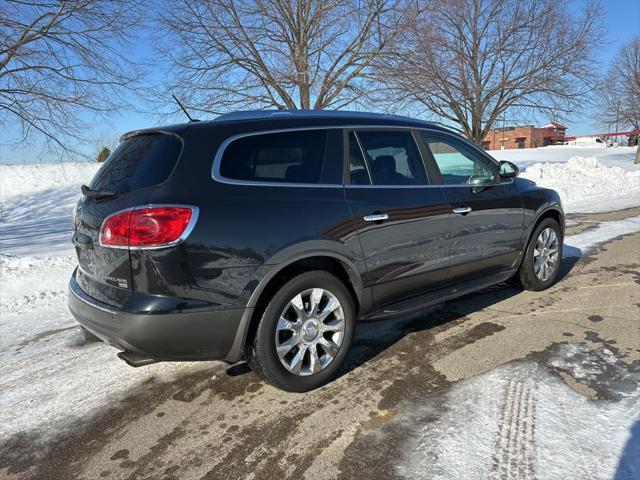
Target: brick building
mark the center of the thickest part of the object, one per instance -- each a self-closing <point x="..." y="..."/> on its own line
<point x="526" y="136"/>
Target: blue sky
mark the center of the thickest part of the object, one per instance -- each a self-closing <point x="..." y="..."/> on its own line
<point x="621" y="22"/>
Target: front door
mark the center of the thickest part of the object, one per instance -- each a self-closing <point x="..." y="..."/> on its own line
<point x="402" y="224"/>
<point x="486" y="221"/>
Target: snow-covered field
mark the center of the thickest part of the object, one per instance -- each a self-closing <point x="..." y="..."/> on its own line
<point x="45" y="367"/>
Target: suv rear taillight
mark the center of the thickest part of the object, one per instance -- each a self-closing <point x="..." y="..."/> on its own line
<point x="153" y="226"/>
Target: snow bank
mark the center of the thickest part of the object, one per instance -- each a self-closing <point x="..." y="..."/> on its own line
<point x="609" y="157"/>
<point x="36" y="202"/>
<point x="26" y="179"/>
<point x="585" y="185"/>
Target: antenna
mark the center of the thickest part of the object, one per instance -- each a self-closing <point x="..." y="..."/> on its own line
<point x="183" y="109"/>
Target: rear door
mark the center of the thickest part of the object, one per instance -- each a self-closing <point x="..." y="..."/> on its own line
<point x="138" y="163"/>
<point x="402" y="224"/>
<point x="486" y="222"/>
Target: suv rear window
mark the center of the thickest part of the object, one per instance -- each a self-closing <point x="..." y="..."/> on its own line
<point x="288" y="157"/>
<point x="138" y="162"/>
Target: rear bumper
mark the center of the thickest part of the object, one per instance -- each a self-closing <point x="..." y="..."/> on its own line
<point x="178" y="335"/>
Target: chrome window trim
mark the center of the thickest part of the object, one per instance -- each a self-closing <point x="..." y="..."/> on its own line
<point x="457" y="185"/>
<point x="195" y="212"/>
<point x="217" y="176"/>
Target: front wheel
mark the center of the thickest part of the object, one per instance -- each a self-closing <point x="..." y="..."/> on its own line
<point x="542" y="258"/>
<point x="304" y="334"/>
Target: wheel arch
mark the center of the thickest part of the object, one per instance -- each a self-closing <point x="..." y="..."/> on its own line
<point x="331" y="262"/>
<point x="551" y="211"/>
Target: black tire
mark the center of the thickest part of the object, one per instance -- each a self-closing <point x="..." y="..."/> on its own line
<point x="260" y="351"/>
<point x="88" y="336"/>
<point x="526" y="276"/>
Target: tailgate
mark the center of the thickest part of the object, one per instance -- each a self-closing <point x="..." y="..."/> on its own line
<point x="140" y="162"/>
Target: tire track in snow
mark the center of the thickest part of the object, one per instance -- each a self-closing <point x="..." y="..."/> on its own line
<point x="515" y="450"/>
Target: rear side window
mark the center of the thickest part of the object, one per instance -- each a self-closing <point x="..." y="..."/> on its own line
<point x="393" y="158"/>
<point x="287" y="157"/>
<point x="138" y="162"/>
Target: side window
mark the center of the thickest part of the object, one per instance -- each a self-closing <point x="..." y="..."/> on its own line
<point x="455" y="165"/>
<point x="288" y="157"/>
<point x="393" y="158"/>
<point x="357" y="167"/>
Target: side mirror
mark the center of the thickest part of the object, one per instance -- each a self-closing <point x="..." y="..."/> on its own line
<point x="508" y="169"/>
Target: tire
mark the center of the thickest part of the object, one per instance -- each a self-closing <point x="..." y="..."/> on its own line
<point x="88" y="336"/>
<point x="528" y="275"/>
<point x="311" y="332"/>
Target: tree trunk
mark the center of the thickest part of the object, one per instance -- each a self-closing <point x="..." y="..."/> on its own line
<point x="637" y="160"/>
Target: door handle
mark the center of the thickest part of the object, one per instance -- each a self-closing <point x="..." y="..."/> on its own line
<point x="376" y="217"/>
<point x="462" y="210"/>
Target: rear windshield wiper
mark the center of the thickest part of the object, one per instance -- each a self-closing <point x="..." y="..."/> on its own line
<point x="96" y="194"/>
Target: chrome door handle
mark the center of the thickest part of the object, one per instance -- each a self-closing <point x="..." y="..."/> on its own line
<point x="462" y="210"/>
<point x="376" y="217"/>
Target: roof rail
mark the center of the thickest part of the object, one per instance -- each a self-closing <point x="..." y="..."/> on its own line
<point x="263" y="114"/>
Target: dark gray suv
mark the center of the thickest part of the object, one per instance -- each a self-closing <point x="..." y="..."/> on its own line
<point x="267" y="235"/>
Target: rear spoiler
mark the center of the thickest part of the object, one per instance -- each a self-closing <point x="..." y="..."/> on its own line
<point x="173" y="130"/>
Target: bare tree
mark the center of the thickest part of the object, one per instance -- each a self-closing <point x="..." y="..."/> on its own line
<point x="275" y="53"/>
<point x="60" y="60"/>
<point x="470" y="61"/>
<point x="618" y="96"/>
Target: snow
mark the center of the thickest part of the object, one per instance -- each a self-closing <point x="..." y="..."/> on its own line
<point x="595" y="179"/>
<point x="609" y="157"/>
<point x="36" y="202"/>
<point x="580" y="184"/>
<point x="522" y="421"/>
<point x="582" y="243"/>
<point x="45" y="366"/>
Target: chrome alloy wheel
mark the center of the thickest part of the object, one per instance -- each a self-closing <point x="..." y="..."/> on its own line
<point x="310" y="331"/>
<point x="545" y="254"/>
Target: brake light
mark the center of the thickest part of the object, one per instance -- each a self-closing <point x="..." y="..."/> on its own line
<point x="148" y="227"/>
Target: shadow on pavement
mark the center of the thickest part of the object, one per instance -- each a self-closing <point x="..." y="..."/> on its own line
<point x="629" y="464"/>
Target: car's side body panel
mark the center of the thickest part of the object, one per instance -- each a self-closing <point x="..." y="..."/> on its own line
<point x="489" y="238"/>
<point x="409" y="252"/>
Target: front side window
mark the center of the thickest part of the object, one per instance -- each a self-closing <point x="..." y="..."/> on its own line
<point x="456" y="165"/>
<point x="393" y="158"/>
<point x="286" y="157"/>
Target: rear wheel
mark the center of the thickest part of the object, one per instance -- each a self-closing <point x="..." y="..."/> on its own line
<point x="304" y="334"/>
<point x="542" y="258"/>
